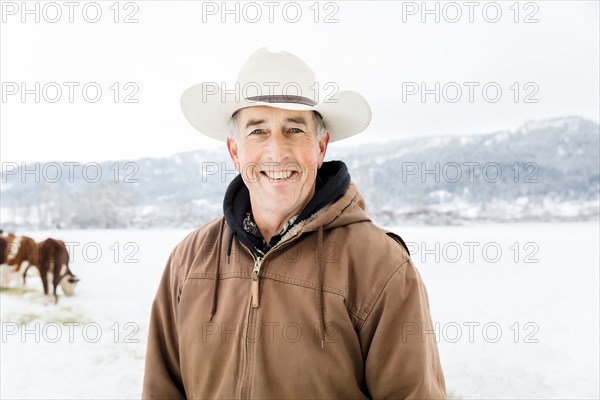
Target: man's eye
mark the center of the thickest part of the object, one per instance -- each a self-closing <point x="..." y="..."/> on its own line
<point x="296" y="130"/>
<point x="256" y="132"/>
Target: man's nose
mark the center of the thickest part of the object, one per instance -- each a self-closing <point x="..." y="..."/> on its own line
<point x="277" y="147"/>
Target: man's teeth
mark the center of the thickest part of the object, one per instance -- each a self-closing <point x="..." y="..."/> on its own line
<point x="279" y="175"/>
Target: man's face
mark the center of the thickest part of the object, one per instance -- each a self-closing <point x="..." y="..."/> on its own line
<point x="278" y="153"/>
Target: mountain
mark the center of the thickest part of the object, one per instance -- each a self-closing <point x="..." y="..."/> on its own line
<point x="547" y="170"/>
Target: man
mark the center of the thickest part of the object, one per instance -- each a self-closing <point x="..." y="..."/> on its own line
<point x="293" y="293"/>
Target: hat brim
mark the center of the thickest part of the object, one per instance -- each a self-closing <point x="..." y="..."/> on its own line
<point x="345" y="113"/>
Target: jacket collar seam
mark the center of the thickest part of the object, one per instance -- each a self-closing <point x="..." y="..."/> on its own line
<point x="226" y="275"/>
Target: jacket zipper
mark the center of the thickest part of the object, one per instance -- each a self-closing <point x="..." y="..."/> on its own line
<point x="255" y="271"/>
<point x="258" y="263"/>
<point x="255" y="296"/>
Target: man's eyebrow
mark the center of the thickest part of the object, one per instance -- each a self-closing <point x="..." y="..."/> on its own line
<point x="296" y="120"/>
<point x="254" y="122"/>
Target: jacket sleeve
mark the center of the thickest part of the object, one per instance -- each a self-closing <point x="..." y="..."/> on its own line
<point x="162" y="374"/>
<point x="399" y="343"/>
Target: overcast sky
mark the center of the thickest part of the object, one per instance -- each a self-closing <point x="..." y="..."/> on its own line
<point x="545" y="67"/>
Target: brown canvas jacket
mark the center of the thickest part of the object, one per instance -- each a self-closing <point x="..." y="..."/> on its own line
<point x="220" y="330"/>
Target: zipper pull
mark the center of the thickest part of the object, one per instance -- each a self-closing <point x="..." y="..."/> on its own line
<point x="257" y="265"/>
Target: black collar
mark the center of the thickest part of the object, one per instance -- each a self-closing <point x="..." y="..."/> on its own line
<point x="332" y="183"/>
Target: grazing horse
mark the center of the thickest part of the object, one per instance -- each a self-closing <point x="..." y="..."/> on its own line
<point x="54" y="266"/>
<point x="50" y="257"/>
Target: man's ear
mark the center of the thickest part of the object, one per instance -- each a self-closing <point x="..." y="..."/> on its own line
<point x="232" y="147"/>
<point x="323" y="142"/>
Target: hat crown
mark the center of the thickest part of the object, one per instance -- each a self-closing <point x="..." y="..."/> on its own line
<point x="281" y="73"/>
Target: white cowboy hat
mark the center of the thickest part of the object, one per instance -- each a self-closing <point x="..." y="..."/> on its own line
<point x="279" y="80"/>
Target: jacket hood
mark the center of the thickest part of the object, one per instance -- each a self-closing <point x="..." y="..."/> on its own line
<point x="349" y="209"/>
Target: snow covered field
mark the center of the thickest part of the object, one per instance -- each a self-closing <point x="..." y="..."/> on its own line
<point x="517" y="308"/>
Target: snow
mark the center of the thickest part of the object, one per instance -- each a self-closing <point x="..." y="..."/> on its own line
<point x="497" y="138"/>
<point x="103" y="356"/>
<point x="557" y="354"/>
<point x="440" y="141"/>
<point x="568" y="124"/>
<point x="528" y="292"/>
<point x="464" y="140"/>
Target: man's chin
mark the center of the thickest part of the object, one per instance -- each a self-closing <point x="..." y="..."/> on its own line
<point x="278" y="202"/>
<point x="283" y="189"/>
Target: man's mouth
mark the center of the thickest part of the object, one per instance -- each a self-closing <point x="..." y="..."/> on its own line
<point x="279" y="175"/>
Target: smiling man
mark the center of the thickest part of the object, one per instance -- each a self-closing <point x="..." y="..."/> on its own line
<point x="293" y="292"/>
<point x="281" y="152"/>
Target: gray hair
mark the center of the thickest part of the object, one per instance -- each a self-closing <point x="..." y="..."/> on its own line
<point x="232" y="125"/>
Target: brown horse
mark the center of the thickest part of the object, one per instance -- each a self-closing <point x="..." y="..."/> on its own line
<point x="54" y="266"/>
<point x="50" y="257"/>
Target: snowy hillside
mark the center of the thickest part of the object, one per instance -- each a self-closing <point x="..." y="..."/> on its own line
<point x="543" y="171"/>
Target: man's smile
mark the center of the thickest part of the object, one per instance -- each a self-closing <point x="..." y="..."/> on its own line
<point x="280" y="176"/>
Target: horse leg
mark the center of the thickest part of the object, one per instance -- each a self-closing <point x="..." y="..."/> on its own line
<point x="25" y="271"/>
<point x="44" y="276"/>
<point x="56" y="277"/>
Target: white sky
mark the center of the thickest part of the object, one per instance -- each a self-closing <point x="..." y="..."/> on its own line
<point x="370" y="49"/>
